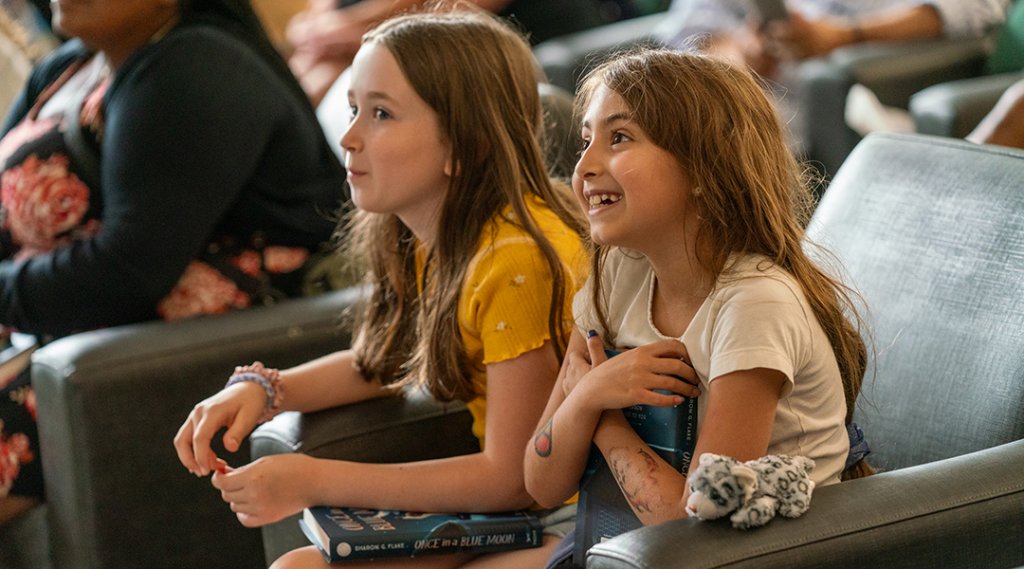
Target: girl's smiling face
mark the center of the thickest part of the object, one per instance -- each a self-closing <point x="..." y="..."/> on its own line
<point x="397" y="157"/>
<point x="635" y="193"/>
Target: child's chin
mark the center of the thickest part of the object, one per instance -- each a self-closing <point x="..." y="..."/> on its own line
<point x="602" y="238"/>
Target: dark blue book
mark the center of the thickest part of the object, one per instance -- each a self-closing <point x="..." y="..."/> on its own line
<point x="603" y="511"/>
<point x="353" y="533"/>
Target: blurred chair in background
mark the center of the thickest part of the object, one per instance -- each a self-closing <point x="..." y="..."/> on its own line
<point x="955" y="108"/>
<point x="812" y="62"/>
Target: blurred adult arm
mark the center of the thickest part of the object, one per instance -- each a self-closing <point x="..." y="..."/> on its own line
<point x="804" y="35"/>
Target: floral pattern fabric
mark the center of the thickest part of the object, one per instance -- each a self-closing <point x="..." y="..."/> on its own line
<point x="45" y="204"/>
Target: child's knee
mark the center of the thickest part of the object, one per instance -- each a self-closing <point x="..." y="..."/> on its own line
<point x="303" y="558"/>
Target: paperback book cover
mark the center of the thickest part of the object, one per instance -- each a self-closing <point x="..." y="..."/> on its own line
<point x="603" y="510"/>
<point x="352" y="533"/>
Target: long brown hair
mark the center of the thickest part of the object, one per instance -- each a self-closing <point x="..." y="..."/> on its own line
<point x="479" y="77"/>
<point x="753" y="195"/>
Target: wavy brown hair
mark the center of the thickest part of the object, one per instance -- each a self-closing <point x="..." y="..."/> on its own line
<point x="479" y="77"/>
<point x="754" y="197"/>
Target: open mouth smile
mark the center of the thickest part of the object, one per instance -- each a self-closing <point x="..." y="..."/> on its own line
<point x="597" y="200"/>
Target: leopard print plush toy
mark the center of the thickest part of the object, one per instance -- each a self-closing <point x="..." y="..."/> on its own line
<point x="753" y="491"/>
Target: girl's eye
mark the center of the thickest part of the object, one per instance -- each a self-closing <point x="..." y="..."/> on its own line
<point x="381" y="114"/>
<point x="619" y="137"/>
<point x="584" y="144"/>
<point x="353" y="111"/>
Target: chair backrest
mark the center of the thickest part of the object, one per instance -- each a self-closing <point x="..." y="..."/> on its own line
<point x="930" y="231"/>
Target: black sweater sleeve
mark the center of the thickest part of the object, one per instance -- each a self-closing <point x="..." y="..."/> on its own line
<point x="188" y="122"/>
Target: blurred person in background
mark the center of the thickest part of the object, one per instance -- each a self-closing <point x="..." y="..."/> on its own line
<point x="326" y="35"/>
<point x="163" y="163"/>
<point x="812" y="28"/>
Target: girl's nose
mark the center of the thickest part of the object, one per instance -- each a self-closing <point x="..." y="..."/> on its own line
<point x="587" y="166"/>
<point x="350" y="140"/>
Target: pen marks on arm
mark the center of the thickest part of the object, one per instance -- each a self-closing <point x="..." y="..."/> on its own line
<point x="542" y="443"/>
<point x="634" y="471"/>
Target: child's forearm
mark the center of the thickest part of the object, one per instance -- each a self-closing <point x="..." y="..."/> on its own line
<point x="329" y="381"/>
<point x="468" y="483"/>
<point x="558" y="453"/>
<point x="651" y="486"/>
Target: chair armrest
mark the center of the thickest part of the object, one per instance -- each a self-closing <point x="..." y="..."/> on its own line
<point x="110" y="401"/>
<point x="954" y="108"/>
<point x="892" y="70"/>
<point x="567" y="58"/>
<point x="919" y="516"/>
<point x="392" y="429"/>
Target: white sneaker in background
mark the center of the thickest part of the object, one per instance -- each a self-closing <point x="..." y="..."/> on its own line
<point x="865" y="113"/>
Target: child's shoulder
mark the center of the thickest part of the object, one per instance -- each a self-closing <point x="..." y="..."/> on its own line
<point x="505" y="231"/>
<point x="755" y="278"/>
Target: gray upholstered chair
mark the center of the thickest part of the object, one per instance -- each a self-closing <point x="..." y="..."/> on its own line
<point x="110" y="401"/>
<point x="931" y="231"/>
<point x="567" y="58"/>
<point x="893" y="71"/>
<point x="954" y="108"/>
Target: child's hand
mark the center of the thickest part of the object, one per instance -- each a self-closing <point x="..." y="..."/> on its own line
<point x="631" y="377"/>
<point x="238" y="408"/>
<point x="267" y="490"/>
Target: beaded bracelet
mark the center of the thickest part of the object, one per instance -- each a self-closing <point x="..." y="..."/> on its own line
<point x="267" y="378"/>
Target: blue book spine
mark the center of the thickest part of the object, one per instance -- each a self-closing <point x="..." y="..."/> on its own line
<point x="351" y="533"/>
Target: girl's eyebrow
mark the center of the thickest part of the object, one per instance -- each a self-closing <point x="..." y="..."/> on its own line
<point x="374" y="96"/>
<point x="612" y="118"/>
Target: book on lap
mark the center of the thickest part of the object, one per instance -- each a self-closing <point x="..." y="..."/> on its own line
<point x="353" y="533"/>
<point x="603" y="510"/>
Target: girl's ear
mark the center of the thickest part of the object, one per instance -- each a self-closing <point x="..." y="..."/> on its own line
<point x="450" y="167"/>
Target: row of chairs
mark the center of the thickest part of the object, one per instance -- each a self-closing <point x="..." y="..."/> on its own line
<point x="929" y="229"/>
<point x="931" y="232"/>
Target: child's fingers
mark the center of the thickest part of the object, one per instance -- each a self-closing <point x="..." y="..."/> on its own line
<point x="183" y="447"/>
<point x="595" y="347"/>
<point x="229" y="481"/>
<point x="675" y="385"/>
<point x="678" y="368"/>
<point x="222" y="466"/>
<point x="668" y="349"/>
<point x="656" y="399"/>
<point x="201" y="436"/>
<point x="241" y="426"/>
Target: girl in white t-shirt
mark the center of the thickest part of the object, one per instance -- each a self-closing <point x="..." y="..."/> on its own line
<point x="697" y="211"/>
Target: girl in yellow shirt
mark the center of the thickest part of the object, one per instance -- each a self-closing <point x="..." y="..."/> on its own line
<point x="472" y="255"/>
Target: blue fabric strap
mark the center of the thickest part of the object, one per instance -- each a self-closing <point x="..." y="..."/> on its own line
<point x="858" y="446"/>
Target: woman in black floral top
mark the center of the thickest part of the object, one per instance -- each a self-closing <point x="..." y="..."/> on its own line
<point x="163" y="164"/>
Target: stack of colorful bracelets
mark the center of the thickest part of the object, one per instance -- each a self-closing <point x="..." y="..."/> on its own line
<point x="269" y="379"/>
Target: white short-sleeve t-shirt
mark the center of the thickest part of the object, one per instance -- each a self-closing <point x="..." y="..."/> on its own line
<point x="756" y="317"/>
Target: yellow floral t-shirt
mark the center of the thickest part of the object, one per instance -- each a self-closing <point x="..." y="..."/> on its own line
<point x="505" y="299"/>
